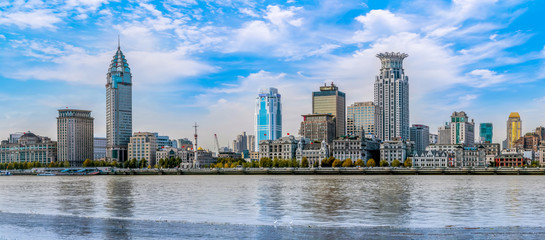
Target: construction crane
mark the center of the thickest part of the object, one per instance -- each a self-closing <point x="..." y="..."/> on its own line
<point x="217" y="144"/>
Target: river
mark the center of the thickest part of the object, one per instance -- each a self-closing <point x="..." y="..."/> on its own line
<point x="265" y="206"/>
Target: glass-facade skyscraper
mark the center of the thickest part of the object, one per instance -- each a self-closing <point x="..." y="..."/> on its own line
<point x="360" y="115"/>
<point x="392" y="98"/>
<point x="118" y="108"/>
<point x="514" y="129"/>
<point x="485" y="132"/>
<point x="268" y="115"/>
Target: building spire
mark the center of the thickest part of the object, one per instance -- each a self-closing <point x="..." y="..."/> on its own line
<point x="118" y="42"/>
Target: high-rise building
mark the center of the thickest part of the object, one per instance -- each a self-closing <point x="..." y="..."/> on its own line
<point x="318" y="127"/>
<point x="75" y="136"/>
<point x="99" y="145"/>
<point x="163" y="141"/>
<point x="329" y="100"/>
<point x="420" y="135"/>
<point x="251" y="143"/>
<point x="143" y="145"/>
<point x="184" y="143"/>
<point x="514" y="129"/>
<point x="392" y="98"/>
<point x="360" y="115"/>
<point x="443" y="134"/>
<point x="462" y="131"/>
<point x="268" y="115"/>
<point x="118" y="107"/>
<point x="485" y="132"/>
<point x="540" y="131"/>
<point x="241" y="143"/>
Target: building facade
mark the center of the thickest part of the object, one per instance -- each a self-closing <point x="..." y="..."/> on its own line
<point x="163" y="141"/>
<point x="28" y="148"/>
<point x="392" y="98"/>
<point x="240" y="144"/>
<point x="282" y="148"/>
<point x="443" y="134"/>
<point x="251" y="143"/>
<point x="509" y="160"/>
<point x="268" y="115"/>
<point x="360" y="115"/>
<point x="99" y="146"/>
<point x="75" y="136"/>
<point x="118" y="108"/>
<point x="434" y="138"/>
<point x="143" y="145"/>
<point x="432" y="159"/>
<point x="486" y="132"/>
<point x="356" y="147"/>
<point x="514" y="129"/>
<point x="420" y="135"/>
<point x="318" y="127"/>
<point x="396" y="149"/>
<point x="462" y="131"/>
<point x="469" y="157"/>
<point x="314" y="151"/>
<point x="329" y="100"/>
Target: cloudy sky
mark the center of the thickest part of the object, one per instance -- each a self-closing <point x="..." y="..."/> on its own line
<point x="204" y="61"/>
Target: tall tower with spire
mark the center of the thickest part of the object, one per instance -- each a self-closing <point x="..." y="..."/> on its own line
<point x="392" y="98"/>
<point x="118" y="107"/>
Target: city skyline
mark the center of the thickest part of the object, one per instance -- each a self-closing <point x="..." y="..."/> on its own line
<point x="486" y="66"/>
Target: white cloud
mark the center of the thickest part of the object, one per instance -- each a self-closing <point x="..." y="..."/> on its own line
<point x="35" y="19"/>
<point x="248" y="12"/>
<point x="378" y="24"/>
<point x="485" y="78"/>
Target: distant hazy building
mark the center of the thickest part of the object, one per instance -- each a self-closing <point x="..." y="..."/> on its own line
<point x="443" y="134"/>
<point x="434" y="138"/>
<point x="163" y="141"/>
<point x="143" y="145"/>
<point x="99" y="146"/>
<point x="28" y="148"/>
<point x="486" y="132"/>
<point x="268" y="115"/>
<point x="329" y="100"/>
<point x="75" y="136"/>
<point x="514" y="129"/>
<point x="318" y="127"/>
<point x="360" y="115"/>
<point x="392" y="98"/>
<point x="184" y="143"/>
<point x="118" y="107"/>
<point x="420" y="135"/>
<point x="14" y="137"/>
<point x="251" y="143"/>
<point x="540" y="131"/>
<point x="462" y="131"/>
<point x="240" y="144"/>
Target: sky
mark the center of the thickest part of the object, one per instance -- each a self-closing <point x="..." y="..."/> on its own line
<point x="204" y="61"/>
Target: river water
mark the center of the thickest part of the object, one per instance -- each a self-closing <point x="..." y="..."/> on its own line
<point x="261" y="202"/>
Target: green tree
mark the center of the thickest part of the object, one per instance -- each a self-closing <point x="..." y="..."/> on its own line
<point x="347" y="163"/>
<point x="371" y="162"/>
<point x="327" y="162"/>
<point x="265" y="162"/>
<point x="359" y="163"/>
<point x="161" y="162"/>
<point x="66" y="164"/>
<point x="336" y="163"/>
<point x="408" y="163"/>
<point x="133" y="163"/>
<point x="304" y="162"/>
<point x="396" y="163"/>
<point x="534" y="164"/>
<point x="87" y="163"/>
<point x="143" y="163"/>
<point x="384" y="163"/>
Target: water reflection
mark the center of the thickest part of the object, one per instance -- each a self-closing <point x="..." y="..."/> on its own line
<point x="77" y="198"/>
<point x="119" y="191"/>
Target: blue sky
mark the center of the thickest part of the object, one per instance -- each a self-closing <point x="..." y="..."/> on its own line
<point x="204" y="61"/>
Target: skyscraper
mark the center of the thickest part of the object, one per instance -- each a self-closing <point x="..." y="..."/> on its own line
<point x="329" y="100"/>
<point x="118" y="107"/>
<point x="240" y="144"/>
<point x="420" y="135"/>
<point x="75" y="136"/>
<point x="360" y="115"/>
<point x="392" y="98"/>
<point x="514" y="129"/>
<point x="485" y="132"/>
<point x="318" y="127"/>
<point x="268" y="115"/>
<point x="443" y="134"/>
<point x="462" y="131"/>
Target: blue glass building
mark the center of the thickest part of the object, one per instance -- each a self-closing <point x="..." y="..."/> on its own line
<point x="268" y="115"/>
<point x="485" y="132"/>
<point x="118" y="108"/>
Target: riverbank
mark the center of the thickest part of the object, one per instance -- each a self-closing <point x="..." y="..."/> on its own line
<point x="320" y="171"/>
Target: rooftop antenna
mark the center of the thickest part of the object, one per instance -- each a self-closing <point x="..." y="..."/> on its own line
<point x="118" y="42"/>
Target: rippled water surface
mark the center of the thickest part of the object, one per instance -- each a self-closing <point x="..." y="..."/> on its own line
<point x="347" y="201"/>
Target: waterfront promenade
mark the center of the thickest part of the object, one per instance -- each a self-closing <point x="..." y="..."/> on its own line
<point x="317" y="171"/>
